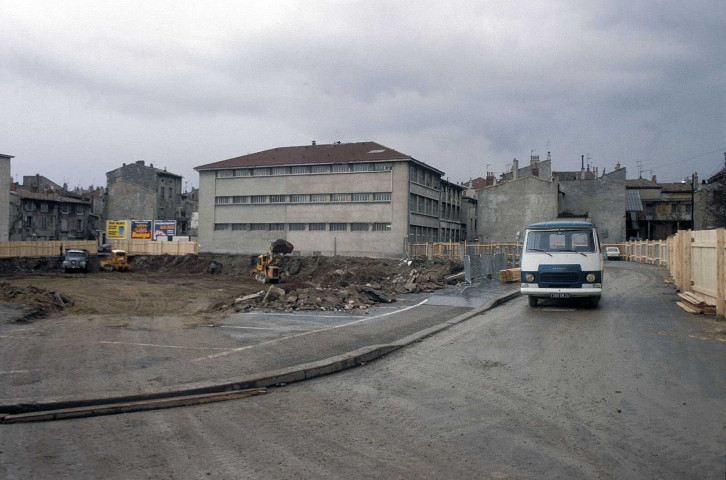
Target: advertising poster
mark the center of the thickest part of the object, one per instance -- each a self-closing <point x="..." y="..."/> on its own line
<point x="164" y="229"/>
<point x="141" y="229"/>
<point x="117" y="229"/>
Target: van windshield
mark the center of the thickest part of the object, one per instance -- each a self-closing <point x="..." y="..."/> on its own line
<point x="560" y="241"/>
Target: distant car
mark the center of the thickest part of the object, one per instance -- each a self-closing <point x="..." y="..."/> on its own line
<point x="76" y="260"/>
<point x="612" y="253"/>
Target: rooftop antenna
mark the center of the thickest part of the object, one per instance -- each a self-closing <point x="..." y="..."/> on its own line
<point x="640" y="168"/>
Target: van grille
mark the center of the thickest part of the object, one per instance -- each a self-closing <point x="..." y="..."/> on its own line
<point x="560" y="277"/>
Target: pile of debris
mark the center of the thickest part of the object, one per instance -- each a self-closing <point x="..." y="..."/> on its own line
<point x="39" y="302"/>
<point x="335" y="284"/>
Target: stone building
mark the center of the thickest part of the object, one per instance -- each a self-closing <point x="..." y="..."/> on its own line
<point x="342" y="198"/>
<point x="506" y="208"/>
<point x="5" y="180"/>
<point x="664" y="209"/>
<point x="710" y="201"/>
<point x="139" y="192"/>
<point x="43" y="210"/>
<point x="536" y="168"/>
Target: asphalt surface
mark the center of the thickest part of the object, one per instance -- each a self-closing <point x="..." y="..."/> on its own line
<point x="87" y="357"/>
<point x="634" y="389"/>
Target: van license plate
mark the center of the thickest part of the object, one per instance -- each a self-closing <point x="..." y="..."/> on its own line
<point x="559" y="295"/>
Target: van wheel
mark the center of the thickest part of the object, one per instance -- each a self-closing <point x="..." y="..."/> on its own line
<point x="532" y="301"/>
<point x="593" y="302"/>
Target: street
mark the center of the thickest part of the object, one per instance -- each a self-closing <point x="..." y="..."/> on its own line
<point x="633" y="389"/>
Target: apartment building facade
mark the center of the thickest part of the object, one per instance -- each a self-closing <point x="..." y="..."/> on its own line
<point x="334" y="199"/>
<point x="5" y="180"/>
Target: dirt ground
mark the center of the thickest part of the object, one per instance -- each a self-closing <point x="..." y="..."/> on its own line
<point x="191" y="286"/>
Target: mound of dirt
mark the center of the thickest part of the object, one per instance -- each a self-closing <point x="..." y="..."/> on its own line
<point x="38" y="301"/>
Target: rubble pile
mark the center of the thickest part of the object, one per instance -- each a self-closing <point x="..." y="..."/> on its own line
<point x="343" y="284"/>
<point x="39" y="301"/>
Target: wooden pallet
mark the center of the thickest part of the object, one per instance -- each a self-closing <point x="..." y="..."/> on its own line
<point x="510" y="275"/>
<point x="692" y="303"/>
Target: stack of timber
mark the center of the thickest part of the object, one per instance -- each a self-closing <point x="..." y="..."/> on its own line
<point x="692" y="303"/>
<point x="510" y="275"/>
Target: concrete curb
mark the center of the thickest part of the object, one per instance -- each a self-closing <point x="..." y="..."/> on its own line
<point x="272" y="378"/>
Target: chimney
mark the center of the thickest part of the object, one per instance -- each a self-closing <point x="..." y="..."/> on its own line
<point x="515" y="169"/>
<point x="140" y="162"/>
<point x="490" y="179"/>
<point x="535" y="169"/>
<point x="533" y="160"/>
<point x="653" y="179"/>
<point x="313" y="143"/>
<point x="694" y="180"/>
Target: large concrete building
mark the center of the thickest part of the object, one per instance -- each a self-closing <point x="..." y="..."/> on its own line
<point x="139" y="192"/>
<point x="5" y="181"/>
<point x="506" y="208"/>
<point x="342" y="198"/>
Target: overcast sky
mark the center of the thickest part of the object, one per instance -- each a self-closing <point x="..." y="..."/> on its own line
<point x="87" y="86"/>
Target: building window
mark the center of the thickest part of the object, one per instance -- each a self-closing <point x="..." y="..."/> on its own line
<point x="279" y="171"/>
<point x="340" y="167"/>
<point x="316" y="227"/>
<point x="225" y="173"/>
<point x="649" y="210"/>
<point x="259" y="199"/>
<point x="381" y="227"/>
<point x="361" y="167"/>
<point x="276" y="226"/>
<point x="320" y="197"/>
<point x="242" y="172"/>
<point x="300" y="170"/>
<point x="359" y="227"/>
<point x="382" y="166"/>
<point x="65" y="208"/>
<point x="341" y="197"/>
<point x="223" y="200"/>
<point x="44" y="207"/>
<point x="28" y="222"/>
<point x="298" y="198"/>
<point x="79" y="209"/>
<point x="241" y="199"/>
<point x="361" y="197"/>
<point x="320" y="169"/>
<point x="171" y="192"/>
<point x="277" y="198"/>
<point x="258" y="226"/>
<point x="79" y="225"/>
<point x="240" y="226"/>
<point x="296" y="227"/>
<point x="382" y="197"/>
<point x="338" y="227"/>
<point x="261" y="172"/>
<point x="43" y="223"/>
<point x="161" y="191"/>
<point x="29" y="206"/>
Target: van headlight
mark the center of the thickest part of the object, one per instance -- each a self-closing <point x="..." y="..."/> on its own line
<point x="590" y="277"/>
<point x="529" y="278"/>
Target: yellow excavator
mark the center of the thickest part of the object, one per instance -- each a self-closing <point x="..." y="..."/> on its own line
<point x="267" y="266"/>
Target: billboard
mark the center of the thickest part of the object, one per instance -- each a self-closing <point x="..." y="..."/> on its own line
<point x="163" y="229"/>
<point x="117" y="229"/>
<point x="141" y="229"/>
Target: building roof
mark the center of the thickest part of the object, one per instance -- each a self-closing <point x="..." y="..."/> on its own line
<point x="634" y="204"/>
<point x="676" y="187"/>
<point x="476" y="183"/>
<point x="49" y="196"/>
<point x="560" y="224"/>
<point x="6" y="156"/>
<point x="316" y="154"/>
<point x="719" y="176"/>
<point x="641" y="183"/>
<point x="140" y="163"/>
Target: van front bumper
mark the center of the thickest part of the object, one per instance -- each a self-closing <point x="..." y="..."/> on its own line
<point x="587" y="291"/>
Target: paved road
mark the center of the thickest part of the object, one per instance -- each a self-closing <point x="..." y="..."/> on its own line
<point x="635" y="389"/>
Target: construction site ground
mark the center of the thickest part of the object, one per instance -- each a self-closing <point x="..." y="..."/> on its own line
<point x="180" y="322"/>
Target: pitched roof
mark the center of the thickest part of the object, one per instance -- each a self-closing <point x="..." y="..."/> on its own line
<point x="676" y="187"/>
<point x="476" y="183"/>
<point x="641" y="183"/>
<point x="49" y="196"/>
<point x="306" y="154"/>
<point x="634" y="204"/>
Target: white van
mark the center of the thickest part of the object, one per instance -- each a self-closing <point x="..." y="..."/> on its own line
<point x="562" y="259"/>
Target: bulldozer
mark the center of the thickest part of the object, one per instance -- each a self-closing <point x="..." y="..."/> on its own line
<point x="117" y="261"/>
<point x="267" y="266"/>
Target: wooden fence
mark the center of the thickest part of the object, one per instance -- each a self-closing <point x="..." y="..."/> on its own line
<point x="695" y="260"/>
<point x="150" y="247"/>
<point x="457" y="250"/>
<point x="44" y="249"/>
